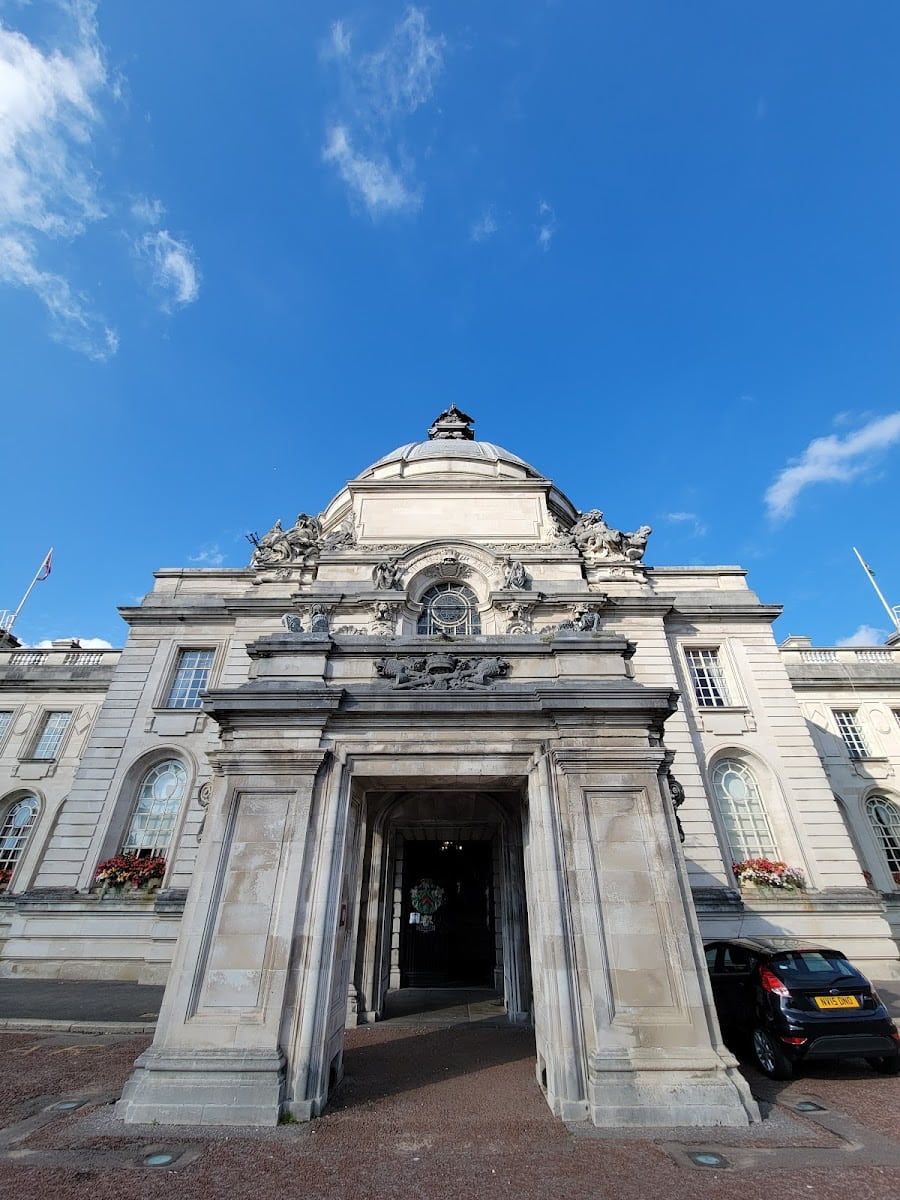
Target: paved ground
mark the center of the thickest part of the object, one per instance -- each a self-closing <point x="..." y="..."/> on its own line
<point x="435" y="1104"/>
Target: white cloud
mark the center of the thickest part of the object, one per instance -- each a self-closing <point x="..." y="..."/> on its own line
<point x="47" y="186"/>
<point x="173" y="267"/>
<point x="546" y="225"/>
<point x="208" y="556"/>
<point x="379" y="186"/>
<point x="486" y="226"/>
<point x="51" y="111"/>
<point x="832" y="459"/>
<point x="379" y="90"/>
<point x="147" y="211"/>
<point x="696" y="526"/>
<point x="84" y="643"/>
<point x="866" y="635"/>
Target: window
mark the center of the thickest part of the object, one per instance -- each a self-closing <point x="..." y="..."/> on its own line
<point x="746" y="824"/>
<point x="159" y="800"/>
<point x="191" y="678"/>
<point x="17" y="824"/>
<point x="5" y="722"/>
<point x="884" y="816"/>
<point x="450" y="608"/>
<point x="51" y="735"/>
<point x="849" y="729"/>
<point x="708" y="678"/>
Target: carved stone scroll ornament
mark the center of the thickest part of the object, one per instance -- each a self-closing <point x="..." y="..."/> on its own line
<point x="320" y="618"/>
<point x="442" y="672"/>
<point x="676" y="791"/>
<point x="204" y="791"/>
<point x="386" y="574"/>
<point x="291" y="623"/>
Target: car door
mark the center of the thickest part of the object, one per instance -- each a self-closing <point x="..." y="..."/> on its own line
<point x="733" y="975"/>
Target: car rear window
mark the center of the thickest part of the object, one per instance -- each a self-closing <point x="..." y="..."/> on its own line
<point x="819" y="964"/>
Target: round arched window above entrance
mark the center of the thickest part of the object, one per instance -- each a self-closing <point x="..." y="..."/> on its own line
<point x="450" y="608"/>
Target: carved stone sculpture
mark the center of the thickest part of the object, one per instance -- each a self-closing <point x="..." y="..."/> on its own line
<point x="386" y="574"/>
<point x="280" y="546"/>
<point x="342" y="538"/>
<point x="586" y="618"/>
<point x="442" y="672"/>
<point x="291" y="623"/>
<point x="518" y="617"/>
<point x="599" y="542"/>
<point x="514" y="575"/>
<point x="319" y="619"/>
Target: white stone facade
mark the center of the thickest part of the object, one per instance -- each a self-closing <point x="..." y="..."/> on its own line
<point x="449" y="658"/>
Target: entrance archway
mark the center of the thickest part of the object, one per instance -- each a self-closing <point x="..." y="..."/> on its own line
<point x="442" y="898"/>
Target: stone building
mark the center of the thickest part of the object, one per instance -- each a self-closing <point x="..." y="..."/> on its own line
<point x="437" y="736"/>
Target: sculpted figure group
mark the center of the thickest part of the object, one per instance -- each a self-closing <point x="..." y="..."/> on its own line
<point x="280" y="546"/>
<point x="442" y="672"/>
<point x="597" y="540"/>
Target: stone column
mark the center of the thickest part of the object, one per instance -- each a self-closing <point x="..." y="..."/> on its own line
<point x="216" y="1057"/>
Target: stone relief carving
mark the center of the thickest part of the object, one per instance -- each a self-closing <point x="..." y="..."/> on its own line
<point x="585" y="619"/>
<point x="598" y="541"/>
<point x="384" y="615"/>
<point x="320" y="618"/>
<point x="291" y="623"/>
<point x="204" y="791"/>
<point x="518" y="616"/>
<point x="514" y="575"/>
<point x="343" y="537"/>
<point x="442" y="672"/>
<point x="386" y="574"/>
<point x="450" y="566"/>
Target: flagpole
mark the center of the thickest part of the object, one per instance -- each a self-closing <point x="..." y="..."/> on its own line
<point x="891" y="612"/>
<point x="38" y="575"/>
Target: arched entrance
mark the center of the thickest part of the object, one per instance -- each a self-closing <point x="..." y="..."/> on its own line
<point x="442" y="898"/>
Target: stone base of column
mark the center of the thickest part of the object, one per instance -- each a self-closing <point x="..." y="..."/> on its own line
<point x="204" y="1087"/>
<point x="660" y="1091"/>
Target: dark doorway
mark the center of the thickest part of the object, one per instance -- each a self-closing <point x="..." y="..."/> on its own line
<point x="447" y="915"/>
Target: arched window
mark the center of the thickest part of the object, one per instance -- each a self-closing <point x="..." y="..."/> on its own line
<point x="159" y="800"/>
<point x="17" y="825"/>
<point x="746" y="824"/>
<point x="450" y="608"/>
<point x="884" y="816"/>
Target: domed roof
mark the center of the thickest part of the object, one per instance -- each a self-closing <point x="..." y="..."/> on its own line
<point x="451" y="449"/>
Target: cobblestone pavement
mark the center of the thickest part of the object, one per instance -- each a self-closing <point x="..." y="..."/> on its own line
<point x="429" y="1111"/>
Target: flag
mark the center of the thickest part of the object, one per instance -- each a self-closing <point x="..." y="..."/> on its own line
<point x="45" y="566"/>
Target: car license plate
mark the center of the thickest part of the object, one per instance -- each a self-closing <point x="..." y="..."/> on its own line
<point x="836" y="1001"/>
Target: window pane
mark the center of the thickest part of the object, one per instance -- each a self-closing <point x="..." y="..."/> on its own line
<point x="5" y="722"/>
<point x="14" y="832"/>
<point x="884" y="816"/>
<point x="851" y="733"/>
<point x="159" y="800"/>
<point x="708" y="678"/>
<point x="746" y="824"/>
<point x="450" y="608"/>
<point x="191" y="677"/>
<point x="55" y="725"/>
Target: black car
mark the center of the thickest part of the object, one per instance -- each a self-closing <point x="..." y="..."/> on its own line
<point x="795" y="1001"/>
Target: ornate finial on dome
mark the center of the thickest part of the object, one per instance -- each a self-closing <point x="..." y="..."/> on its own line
<point x="452" y="424"/>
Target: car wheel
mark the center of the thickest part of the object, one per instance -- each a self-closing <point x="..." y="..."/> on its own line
<point x="885" y="1066"/>
<point x="770" y="1057"/>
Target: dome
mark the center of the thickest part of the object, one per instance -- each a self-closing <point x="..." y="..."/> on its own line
<point x="451" y="449"/>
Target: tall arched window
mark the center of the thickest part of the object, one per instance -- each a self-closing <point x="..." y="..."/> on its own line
<point x="450" y="608"/>
<point x="743" y="814"/>
<point x="17" y="824"/>
<point x="884" y="816"/>
<point x="159" y="800"/>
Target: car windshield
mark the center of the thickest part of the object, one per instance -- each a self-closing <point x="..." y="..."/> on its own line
<point x="820" y="965"/>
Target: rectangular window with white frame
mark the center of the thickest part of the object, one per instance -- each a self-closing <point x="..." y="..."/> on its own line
<point x="708" y="677"/>
<point x="849" y="729"/>
<point x="191" y="677"/>
<point x="49" y="740"/>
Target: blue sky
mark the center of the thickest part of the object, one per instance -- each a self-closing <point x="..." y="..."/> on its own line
<point x="248" y="248"/>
